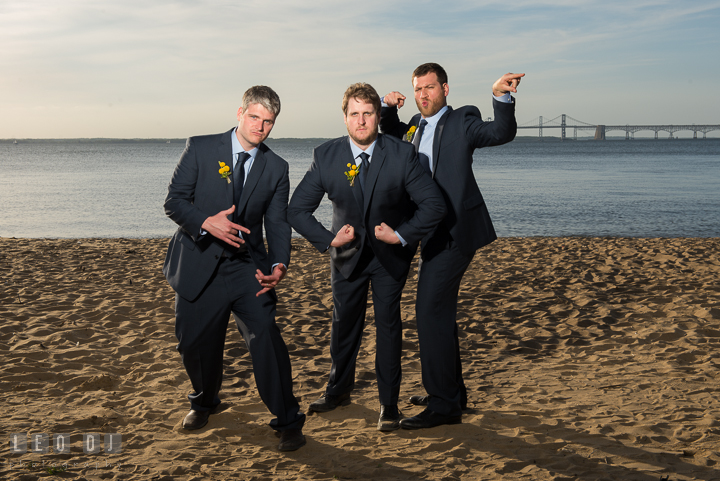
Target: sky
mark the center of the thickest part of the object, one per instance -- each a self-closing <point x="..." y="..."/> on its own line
<point x="172" y="69"/>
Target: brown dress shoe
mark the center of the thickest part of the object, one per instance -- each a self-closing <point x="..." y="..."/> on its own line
<point x="195" y="419"/>
<point x="291" y="440"/>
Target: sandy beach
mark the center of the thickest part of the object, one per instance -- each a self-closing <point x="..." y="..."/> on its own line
<point x="585" y="359"/>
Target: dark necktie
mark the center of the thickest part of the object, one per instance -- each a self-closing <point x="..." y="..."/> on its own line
<point x="239" y="180"/>
<point x="424" y="159"/>
<point x="365" y="166"/>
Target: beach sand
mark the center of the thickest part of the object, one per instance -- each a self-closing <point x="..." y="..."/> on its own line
<point x="585" y="358"/>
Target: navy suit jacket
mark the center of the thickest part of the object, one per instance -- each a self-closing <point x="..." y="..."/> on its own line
<point x="198" y="191"/>
<point x="457" y="135"/>
<point x="397" y="192"/>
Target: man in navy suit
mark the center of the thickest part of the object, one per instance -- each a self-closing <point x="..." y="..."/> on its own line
<point x="383" y="204"/>
<point x="224" y="188"/>
<point x="445" y="140"/>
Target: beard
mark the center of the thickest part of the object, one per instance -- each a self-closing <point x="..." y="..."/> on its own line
<point x="432" y="108"/>
<point x="368" y="137"/>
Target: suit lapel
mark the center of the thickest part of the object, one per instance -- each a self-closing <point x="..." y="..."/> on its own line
<point x="256" y="171"/>
<point x="378" y="157"/>
<point x="355" y="189"/>
<point x="436" y="139"/>
<point x="414" y="122"/>
<point x="225" y="155"/>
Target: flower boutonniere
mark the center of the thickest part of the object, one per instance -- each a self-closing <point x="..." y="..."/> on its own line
<point x="410" y="133"/>
<point x="352" y="173"/>
<point x="224" y="171"/>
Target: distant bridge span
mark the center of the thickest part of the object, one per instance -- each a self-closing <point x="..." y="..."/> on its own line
<point x="565" y="122"/>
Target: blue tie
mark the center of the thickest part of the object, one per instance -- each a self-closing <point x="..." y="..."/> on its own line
<point x="239" y="180"/>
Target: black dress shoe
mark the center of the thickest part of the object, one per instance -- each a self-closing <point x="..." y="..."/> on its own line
<point x="195" y="419"/>
<point x="291" y="440"/>
<point x="429" y="419"/>
<point x="390" y="417"/>
<point x="418" y="400"/>
<point x="328" y="402"/>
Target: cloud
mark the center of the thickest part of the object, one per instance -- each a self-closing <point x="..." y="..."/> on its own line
<point x="176" y="68"/>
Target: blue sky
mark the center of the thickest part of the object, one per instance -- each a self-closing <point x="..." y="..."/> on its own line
<point x="135" y="69"/>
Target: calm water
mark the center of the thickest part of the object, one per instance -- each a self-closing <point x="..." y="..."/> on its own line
<point x="640" y="188"/>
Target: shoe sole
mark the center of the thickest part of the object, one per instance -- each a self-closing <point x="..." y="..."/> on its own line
<point x="405" y="426"/>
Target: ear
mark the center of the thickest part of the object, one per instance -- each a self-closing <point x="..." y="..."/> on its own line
<point x="446" y="89"/>
<point x="239" y="114"/>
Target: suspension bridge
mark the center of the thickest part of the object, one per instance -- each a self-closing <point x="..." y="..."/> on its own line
<point x="565" y="123"/>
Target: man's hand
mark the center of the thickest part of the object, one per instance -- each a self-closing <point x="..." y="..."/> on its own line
<point x="395" y="99"/>
<point x="507" y="83"/>
<point x="269" y="282"/>
<point x="385" y="233"/>
<point x="344" y="235"/>
<point x="221" y="228"/>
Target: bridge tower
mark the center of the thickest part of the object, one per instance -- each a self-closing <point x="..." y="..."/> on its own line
<point x="563" y="124"/>
<point x="540" y="123"/>
<point x="600" y="132"/>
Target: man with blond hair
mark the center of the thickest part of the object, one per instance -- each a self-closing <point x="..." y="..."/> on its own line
<point x="224" y="189"/>
<point x="383" y="204"/>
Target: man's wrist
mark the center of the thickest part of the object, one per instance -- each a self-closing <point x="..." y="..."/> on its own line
<point x="503" y="97"/>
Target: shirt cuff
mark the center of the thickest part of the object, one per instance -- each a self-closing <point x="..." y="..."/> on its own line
<point x="506" y="99"/>
<point x="401" y="239"/>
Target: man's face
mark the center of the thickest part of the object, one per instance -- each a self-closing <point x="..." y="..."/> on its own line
<point x="255" y="124"/>
<point x="430" y="94"/>
<point x="361" y="121"/>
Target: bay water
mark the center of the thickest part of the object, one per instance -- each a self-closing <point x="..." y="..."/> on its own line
<point x="628" y="188"/>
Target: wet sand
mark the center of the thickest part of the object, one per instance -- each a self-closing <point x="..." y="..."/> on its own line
<point x="585" y="358"/>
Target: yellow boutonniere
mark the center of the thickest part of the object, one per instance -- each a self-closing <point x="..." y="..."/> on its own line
<point x="224" y="171"/>
<point x="410" y="133"/>
<point x="352" y="173"/>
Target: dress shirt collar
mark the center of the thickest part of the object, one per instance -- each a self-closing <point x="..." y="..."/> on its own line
<point x="356" y="151"/>
<point x="432" y="121"/>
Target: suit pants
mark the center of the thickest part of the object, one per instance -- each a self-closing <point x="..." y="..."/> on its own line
<point x="441" y="270"/>
<point x="349" y="306"/>
<point x="200" y="327"/>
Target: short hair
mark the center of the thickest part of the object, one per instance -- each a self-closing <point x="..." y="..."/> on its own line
<point x="427" y="68"/>
<point x="265" y="96"/>
<point x="361" y="91"/>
